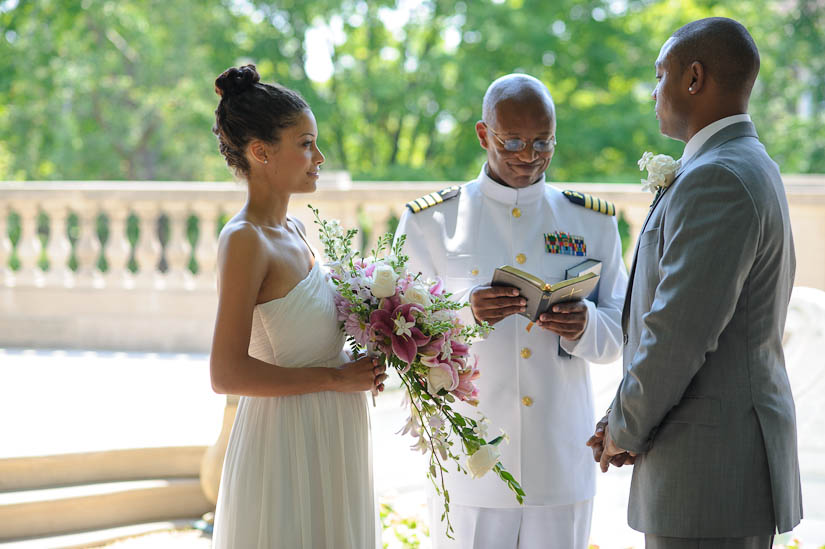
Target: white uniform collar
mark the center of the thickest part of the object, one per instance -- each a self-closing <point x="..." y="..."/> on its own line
<point x="701" y="137"/>
<point x="508" y="195"/>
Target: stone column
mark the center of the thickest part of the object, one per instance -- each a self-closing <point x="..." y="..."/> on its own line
<point x="178" y="248"/>
<point x="87" y="248"/>
<point x="212" y="462"/>
<point x="5" y="246"/>
<point x="206" y="248"/>
<point x="29" y="246"/>
<point x="147" y="249"/>
<point x="59" y="248"/>
<point x="118" y="248"/>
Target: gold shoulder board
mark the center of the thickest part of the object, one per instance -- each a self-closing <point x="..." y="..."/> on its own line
<point x="590" y="202"/>
<point x="432" y="199"/>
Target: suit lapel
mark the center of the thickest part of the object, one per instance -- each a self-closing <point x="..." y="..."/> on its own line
<point x="740" y="129"/>
<point x="626" y="307"/>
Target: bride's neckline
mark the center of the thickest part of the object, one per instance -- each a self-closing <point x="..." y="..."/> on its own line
<point x="303" y="280"/>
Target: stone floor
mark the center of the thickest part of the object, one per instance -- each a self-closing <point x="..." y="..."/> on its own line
<point x="72" y="401"/>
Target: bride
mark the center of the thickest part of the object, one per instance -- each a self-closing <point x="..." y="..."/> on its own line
<point x="298" y="467"/>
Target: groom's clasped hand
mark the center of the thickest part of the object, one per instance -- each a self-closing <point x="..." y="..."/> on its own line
<point x="613" y="455"/>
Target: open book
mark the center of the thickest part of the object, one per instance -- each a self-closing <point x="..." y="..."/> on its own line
<point x="582" y="280"/>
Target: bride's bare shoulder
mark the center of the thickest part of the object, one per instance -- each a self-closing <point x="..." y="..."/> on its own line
<point x="239" y="235"/>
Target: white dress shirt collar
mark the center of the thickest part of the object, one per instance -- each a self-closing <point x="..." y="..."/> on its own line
<point x="695" y="143"/>
<point x="508" y="195"/>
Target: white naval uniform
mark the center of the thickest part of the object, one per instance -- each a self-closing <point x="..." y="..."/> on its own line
<point x="541" y="400"/>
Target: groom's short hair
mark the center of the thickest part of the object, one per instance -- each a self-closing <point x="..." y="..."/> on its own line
<point x="724" y="47"/>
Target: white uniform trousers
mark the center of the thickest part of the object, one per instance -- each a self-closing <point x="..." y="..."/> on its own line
<point x="528" y="527"/>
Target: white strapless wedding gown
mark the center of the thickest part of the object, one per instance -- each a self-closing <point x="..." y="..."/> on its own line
<point x="298" y="469"/>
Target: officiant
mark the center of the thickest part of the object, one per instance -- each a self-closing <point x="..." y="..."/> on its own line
<point x="535" y="383"/>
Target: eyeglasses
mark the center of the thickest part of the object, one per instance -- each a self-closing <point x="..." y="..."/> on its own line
<point x="515" y="144"/>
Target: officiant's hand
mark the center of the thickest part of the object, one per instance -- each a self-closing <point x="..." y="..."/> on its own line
<point x="567" y="320"/>
<point x="493" y="303"/>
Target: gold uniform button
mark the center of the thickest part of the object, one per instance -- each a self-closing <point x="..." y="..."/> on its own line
<point x="526" y="353"/>
<point x="516" y="213"/>
<point x="474" y="272"/>
<point x="521" y="258"/>
<point x="527" y="401"/>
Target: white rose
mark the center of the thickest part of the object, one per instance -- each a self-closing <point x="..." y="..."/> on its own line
<point x="418" y="294"/>
<point x="661" y="170"/>
<point x="440" y="378"/>
<point x="442" y="315"/>
<point x="383" y="281"/>
<point x="483" y="460"/>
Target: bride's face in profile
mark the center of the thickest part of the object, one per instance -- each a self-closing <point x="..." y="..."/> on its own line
<point x="294" y="161"/>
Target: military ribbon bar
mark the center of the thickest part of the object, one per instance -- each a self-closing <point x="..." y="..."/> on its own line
<point x="564" y="244"/>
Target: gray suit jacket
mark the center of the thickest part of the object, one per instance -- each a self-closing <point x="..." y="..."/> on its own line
<point x="705" y="397"/>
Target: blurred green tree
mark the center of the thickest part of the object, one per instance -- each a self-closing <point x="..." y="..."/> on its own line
<point x="101" y="89"/>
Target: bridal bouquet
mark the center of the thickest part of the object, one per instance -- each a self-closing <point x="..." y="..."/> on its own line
<point x="412" y="325"/>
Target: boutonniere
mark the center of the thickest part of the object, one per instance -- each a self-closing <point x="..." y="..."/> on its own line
<point x="661" y="171"/>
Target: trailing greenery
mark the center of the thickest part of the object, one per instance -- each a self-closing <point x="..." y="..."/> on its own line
<point x="101" y="89"/>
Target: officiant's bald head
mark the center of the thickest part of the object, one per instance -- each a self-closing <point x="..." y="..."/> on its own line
<point x="519" y="88"/>
<point x="517" y="129"/>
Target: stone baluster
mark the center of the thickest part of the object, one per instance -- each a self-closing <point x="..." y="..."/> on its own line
<point x="5" y="246"/>
<point x="147" y="249"/>
<point x="178" y="248"/>
<point x="118" y="247"/>
<point x="59" y="247"/>
<point x="206" y="248"/>
<point x="87" y="247"/>
<point x="29" y="246"/>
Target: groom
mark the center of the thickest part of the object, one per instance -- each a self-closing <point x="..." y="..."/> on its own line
<point x="705" y="405"/>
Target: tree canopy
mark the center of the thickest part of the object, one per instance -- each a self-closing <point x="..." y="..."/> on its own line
<point x="107" y="89"/>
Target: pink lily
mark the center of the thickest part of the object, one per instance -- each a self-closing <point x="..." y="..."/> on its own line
<point x="397" y="330"/>
<point x="434" y="347"/>
<point x="442" y="374"/>
<point x="466" y="389"/>
<point x="459" y="349"/>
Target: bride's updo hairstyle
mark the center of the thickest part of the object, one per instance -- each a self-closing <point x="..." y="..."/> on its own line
<point x="251" y="110"/>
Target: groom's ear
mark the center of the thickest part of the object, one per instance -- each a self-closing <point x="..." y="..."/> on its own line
<point x="481" y="132"/>
<point x="695" y="77"/>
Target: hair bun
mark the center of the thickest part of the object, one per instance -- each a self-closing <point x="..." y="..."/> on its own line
<point x="236" y="80"/>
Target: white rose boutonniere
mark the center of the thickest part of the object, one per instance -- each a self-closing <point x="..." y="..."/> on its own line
<point x="661" y="171"/>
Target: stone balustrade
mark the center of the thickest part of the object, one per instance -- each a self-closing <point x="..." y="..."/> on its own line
<point x="132" y="265"/>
